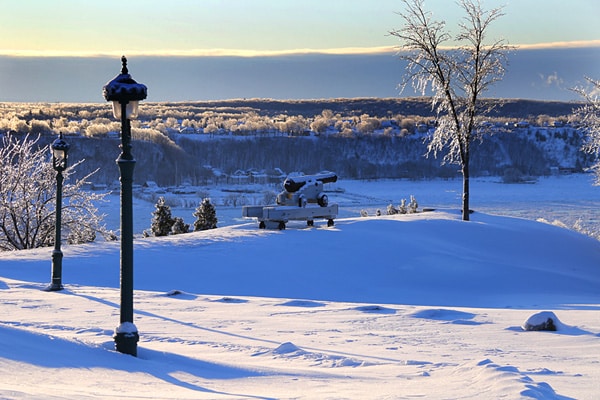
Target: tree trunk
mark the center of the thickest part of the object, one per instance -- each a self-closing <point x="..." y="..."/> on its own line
<point x="465" y="195"/>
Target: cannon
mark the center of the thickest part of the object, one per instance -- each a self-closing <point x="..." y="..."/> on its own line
<point x="303" y="189"/>
<point x="302" y="198"/>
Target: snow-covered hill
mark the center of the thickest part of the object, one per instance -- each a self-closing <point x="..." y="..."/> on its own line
<point x="420" y="305"/>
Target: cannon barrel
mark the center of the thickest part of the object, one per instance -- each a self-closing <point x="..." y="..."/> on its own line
<point x="328" y="177"/>
<point x="293" y="184"/>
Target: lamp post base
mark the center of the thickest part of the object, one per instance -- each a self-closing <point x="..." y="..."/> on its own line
<point x="57" y="256"/>
<point x="54" y="287"/>
<point x="126" y="339"/>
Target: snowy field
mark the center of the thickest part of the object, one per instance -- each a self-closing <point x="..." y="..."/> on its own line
<point x="412" y="306"/>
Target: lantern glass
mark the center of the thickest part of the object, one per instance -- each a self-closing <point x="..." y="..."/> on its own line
<point x="59" y="154"/>
<point x="131" y="109"/>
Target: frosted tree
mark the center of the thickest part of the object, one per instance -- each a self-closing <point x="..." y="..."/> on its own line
<point x="413" y="205"/>
<point x="456" y="77"/>
<point x="162" y="221"/>
<point x="402" y="208"/>
<point x="588" y="118"/>
<point x="28" y="199"/>
<point x="206" y="216"/>
<point x="269" y="197"/>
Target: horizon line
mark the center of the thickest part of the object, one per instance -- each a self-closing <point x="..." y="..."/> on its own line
<point x="245" y="53"/>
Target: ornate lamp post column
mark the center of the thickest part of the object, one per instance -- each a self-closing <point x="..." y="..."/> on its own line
<point x="59" y="149"/>
<point x="125" y="93"/>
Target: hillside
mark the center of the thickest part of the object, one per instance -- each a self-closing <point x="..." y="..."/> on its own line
<point x="200" y="160"/>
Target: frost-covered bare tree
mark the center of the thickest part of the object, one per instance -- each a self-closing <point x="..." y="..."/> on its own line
<point x="588" y="118"/>
<point x="28" y="199"/>
<point x="455" y="76"/>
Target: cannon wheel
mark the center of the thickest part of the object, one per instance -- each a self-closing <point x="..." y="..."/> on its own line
<point x="330" y="222"/>
<point x="323" y="200"/>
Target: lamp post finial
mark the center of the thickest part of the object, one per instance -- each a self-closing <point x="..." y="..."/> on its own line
<point x="124" y="69"/>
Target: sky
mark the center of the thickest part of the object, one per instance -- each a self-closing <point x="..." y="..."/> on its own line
<point x="80" y="27"/>
<point x="258" y="28"/>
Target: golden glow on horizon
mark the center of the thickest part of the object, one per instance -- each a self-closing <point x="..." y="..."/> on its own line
<point x="263" y="53"/>
<point x="551" y="45"/>
<point x="198" y="52"/>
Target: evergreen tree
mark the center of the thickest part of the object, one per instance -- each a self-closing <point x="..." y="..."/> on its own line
<point x="161" y="219"/>
<point x="179" y="226"/>
<point x="206" y="216"/>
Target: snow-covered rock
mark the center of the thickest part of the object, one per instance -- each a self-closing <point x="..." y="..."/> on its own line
<point x="542" y="321"/>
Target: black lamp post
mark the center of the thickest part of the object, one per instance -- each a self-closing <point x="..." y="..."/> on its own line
<point x="125" y="93"/>
<point x="60" y="150"/>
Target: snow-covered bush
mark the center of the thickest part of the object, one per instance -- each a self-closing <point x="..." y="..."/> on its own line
<point x="391" y="210"/>
<point x="413" y="205"/>
<point x="402" y="208"/>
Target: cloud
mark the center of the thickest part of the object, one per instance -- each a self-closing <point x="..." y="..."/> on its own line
<point x="532" y="74"/>
<point x="560" y="45"/>
<point x="552" y="79"/>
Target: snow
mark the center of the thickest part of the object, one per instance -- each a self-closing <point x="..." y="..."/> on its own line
<point x="126" y="328"/>
<point x="403" y="306"/>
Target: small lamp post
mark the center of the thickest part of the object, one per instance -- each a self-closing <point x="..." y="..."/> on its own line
<point x="60" y="155"/>
<point x="125" y="94"/>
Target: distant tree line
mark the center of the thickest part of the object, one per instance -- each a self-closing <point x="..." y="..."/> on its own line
<point x="362" y="139"/>
<point x="259" y="117"/>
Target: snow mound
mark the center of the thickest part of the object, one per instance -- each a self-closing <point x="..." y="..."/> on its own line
<point x="506" y="381"/>
<point x="290" y="351"/>
<point x="180" y="294"/>
<point x="288" y="348"/>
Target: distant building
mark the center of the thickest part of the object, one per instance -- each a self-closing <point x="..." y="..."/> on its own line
<point x="522" y="124"/>
<point x="239" y="177"/>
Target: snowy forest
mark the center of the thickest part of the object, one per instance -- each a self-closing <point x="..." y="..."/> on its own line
<point x="200" y="143"/>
